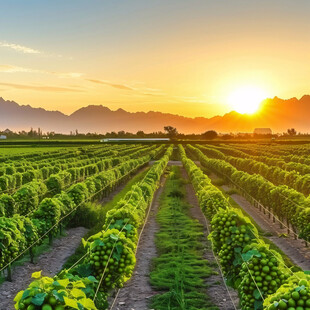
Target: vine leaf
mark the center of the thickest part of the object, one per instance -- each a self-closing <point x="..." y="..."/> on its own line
<point x="38" y="300"/>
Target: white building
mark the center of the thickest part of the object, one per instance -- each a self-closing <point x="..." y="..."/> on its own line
<point x="2" y="137"/>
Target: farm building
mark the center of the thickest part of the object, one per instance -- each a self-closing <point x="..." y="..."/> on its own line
<point x="2" y="137"/>
<point x="262" y="131"/>
<point x="135" y="140"/>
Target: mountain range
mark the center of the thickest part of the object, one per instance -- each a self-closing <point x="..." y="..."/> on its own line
<point x="276" y="113"/>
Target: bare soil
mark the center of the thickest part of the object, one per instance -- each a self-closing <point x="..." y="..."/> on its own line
<point x="223" y="297"/>
<point x="296" y="250"/>
<point x="50" y="262"/>
<point x="136" y="293"/>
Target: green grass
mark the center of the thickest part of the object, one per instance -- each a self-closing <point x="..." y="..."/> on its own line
<point x="95" y="215"/>
<point x="16" y="149"/>
<point x="180" y="271"/>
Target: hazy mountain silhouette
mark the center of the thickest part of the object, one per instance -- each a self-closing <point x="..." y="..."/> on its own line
<point x="278" y="114"/>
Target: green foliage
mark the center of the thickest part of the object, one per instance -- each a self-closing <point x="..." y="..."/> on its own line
<point x="262" y="273"/>
<point x="48" y="212"/>
<point x="231" y="230"/>
<point x="295" y="294"/>
<point x="52" y="293"/>
<point x="111" y="254"/>
<point x="7" y="205"/>
<point x="248" y="263"/>
<point x="284" y="192"/>
<point x="111" y="243"/>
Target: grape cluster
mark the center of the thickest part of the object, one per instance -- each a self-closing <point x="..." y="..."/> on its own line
<point x="294" y="295"/>
<point x="12" y="240"/>
<point x="49" y="213"/>
<point x="262" y="273"/>
<point x="111" y="254"/>
<point x="230" y="230"/>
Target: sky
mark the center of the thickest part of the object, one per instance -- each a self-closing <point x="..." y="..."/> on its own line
<point x="175" y="56"/>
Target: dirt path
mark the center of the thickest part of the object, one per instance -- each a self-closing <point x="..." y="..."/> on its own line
<point x="294" y="249"/>
<point x="137" y="291"/>
<point x="216" y="290"/>
<point x="51" y="262"/>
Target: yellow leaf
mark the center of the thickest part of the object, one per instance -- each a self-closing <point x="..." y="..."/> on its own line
<point x="77" y="293"/>
<point x="79" y="284"/>
<point x="64" y="282"/>
<point x="88" y="304"/>
<point x="71" y="303"/>
<point x="36" y="275"/>
<point x="18" y="298"/>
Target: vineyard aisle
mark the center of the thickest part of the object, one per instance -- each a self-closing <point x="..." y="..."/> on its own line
<point x="51" y="262"/>
<point x="137" y="291"/>
<point x="294" y="249"/>
<point x="216" y="287"/>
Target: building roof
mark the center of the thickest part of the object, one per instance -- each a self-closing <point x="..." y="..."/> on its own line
<point x="263" y="131"/>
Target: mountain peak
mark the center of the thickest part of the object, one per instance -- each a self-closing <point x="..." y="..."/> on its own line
<point x="277" y="114"/>
<point x="91" y="109"/>
<point x="305" y="98"/>
<point x="120" y="110"/>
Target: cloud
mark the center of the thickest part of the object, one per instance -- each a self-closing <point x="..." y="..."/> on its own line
<point x="14" y="69"/>
<point x="20" y="48"/>
<point x="118" y="86"/>
<point x="154" y="95"/>
<point x="28" y="50"/>
<point x="40" y="88"/>
<point x="135" y="91"/>
<point x="67" y="74"/>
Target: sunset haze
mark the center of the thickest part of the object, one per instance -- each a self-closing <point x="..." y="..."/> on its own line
<point x="180" y="57"/>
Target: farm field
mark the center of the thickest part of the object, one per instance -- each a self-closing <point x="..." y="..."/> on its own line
<point x="155" y="226"/>
<point x="22" y="150"/>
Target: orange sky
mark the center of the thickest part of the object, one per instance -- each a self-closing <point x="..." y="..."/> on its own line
<point x="181" y="57"/>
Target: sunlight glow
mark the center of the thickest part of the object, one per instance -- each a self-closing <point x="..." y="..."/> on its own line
<point x="246" y="99"/>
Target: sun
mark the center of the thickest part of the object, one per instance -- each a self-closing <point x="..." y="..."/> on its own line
<point x="246" y="99"/>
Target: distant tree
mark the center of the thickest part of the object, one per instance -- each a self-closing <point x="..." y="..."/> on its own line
<point x="171" y="132"/>
<point x="227" y="136"/>
<point x="30" y="133"/>
<point x="291" y="132"/>
<point x="121" y="134"/>
<point x="140" y="133"/>
<point x="209" y="135"/>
